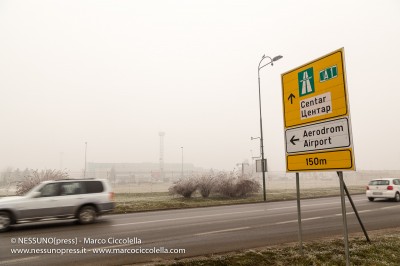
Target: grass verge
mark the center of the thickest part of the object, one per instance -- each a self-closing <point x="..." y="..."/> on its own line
<point x="383" y="250"/>
<point x="137" y="202"/>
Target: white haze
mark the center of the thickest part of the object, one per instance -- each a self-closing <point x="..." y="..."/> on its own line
<point x="116" y="73"/>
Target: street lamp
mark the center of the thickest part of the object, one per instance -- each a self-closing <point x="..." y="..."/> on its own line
<point x="272" y="60"/>
<point x="84" y="173"/>
<point x="182" y="164"/>
<point x="61" y="160"/>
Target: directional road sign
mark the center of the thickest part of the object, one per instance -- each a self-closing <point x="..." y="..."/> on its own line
<point x="319" y="136"/>
<point x="315" y="91"/>
<point x="318" y="161"/>
<point x="317" y="117"/>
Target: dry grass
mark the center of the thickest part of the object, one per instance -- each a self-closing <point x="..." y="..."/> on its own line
<point x="136" y="202"/>
<point x="384" y="250"/>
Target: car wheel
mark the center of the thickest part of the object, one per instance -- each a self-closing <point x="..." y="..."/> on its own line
<point x="397" y="197"/>
<point x="5" y="221"/>
<point x="86" y="215"/>
<point x="371" y="199"/>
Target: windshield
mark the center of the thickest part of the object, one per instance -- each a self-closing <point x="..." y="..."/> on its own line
<point x="32" y="190"/>
<point x="379" y="183"/>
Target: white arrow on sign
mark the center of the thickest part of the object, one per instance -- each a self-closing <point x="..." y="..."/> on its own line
<point x="321" y="136"/>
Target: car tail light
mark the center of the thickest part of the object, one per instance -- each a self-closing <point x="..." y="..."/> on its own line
<point x="111" y="196"/>
<point x="389" y="188"/>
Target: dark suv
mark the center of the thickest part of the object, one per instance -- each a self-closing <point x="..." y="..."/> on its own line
<point x="81" y="199"/>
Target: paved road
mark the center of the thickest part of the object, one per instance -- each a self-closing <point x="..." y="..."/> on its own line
<point x="199" y="231"/>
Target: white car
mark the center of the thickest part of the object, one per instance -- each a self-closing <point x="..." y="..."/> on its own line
<point x="384" y="188"/>
<point x="81" y="199"/>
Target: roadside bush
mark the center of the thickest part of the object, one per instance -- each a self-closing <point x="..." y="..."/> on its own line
<point x="205" y="185"/>
<point x="35" y="177"/>
<point x="226" y="185"/>
<point x="246" y="187"/>
<point x="232" y="186"/>
<point x="184" y="187"/>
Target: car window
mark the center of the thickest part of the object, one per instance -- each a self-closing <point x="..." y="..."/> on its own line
<point x="50" y="190"/>
<point x="71" y="188"/>
<point x="396" y="182"/>
<point x="379" y="183"/>
<point x="94" y="186"/>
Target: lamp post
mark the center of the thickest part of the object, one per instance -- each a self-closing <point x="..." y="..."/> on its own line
<point x="272" y="60"/>
<point x="61" y="160"/>
<point x="182" y="164"/>
<point x="84" y="173"/>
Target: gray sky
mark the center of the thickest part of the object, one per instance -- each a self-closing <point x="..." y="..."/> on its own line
<point x="115" y="73"/>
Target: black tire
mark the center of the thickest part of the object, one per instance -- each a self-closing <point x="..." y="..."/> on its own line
<point x="86" y="215"/>
<point x="397" y="197"/>
<point x="371" y="199"/>
<point x="5" y="221"/>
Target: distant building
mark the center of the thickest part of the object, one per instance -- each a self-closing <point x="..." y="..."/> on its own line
<point x="139" y="172"/>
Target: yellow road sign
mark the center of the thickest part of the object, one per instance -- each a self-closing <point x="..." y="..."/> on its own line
<point x="318" y="161"/>
<point x="317" y="117"/>
<point x="315" y="91"/>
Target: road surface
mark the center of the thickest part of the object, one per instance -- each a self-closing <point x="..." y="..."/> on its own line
<point x="148" y="236"/>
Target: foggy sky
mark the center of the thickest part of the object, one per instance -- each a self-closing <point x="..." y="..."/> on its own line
<point x="116" y="73"/>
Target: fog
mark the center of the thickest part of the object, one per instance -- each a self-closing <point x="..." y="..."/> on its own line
<point x="116" y="73"/>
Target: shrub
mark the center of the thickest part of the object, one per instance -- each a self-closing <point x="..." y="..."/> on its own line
<point x="230" y="185"/>
<point x="205" y="185"/>
<point x="226" y="185"/>
<point x="184" y="187"/>
<point x="246" y="187"/>
<point x="36" y="177"/>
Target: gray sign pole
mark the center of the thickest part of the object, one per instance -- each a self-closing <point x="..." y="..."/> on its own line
<point x="345" y="230"/>
<point x="356" y="212"/>
<point x="299" y="214"/>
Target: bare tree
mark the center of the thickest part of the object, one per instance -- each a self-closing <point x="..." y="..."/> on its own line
<point x="246" y="187"/>
<point x="206" y="184"/>
<point x="36" y="177"/>
<point x="184" y="187"/>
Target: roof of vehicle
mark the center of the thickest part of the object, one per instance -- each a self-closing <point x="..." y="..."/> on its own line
<point x="388" y="178"/>
<point x="74" y="179"/>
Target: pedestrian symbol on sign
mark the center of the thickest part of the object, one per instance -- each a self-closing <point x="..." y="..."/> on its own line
<point x="306" y="82"/>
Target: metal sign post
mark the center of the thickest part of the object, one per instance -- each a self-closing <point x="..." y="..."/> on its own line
<point x="345" y="229"/>
<point x="356" y="212"/>
<point x="299" y="214"/>
<point x="317" y="125"/>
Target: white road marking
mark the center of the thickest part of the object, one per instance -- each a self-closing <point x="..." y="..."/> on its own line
<point x="364" y="211"/>
<point x="7" y="262"/>
<point x="310" y="205"/>
<point x="223" y="231"/>
<point x="313" y="218"/>
<point x="215" y="215"/>
<point x="286" y="222"/>
<point x="294" y="206"/>
<point x="255" y="211"/>
<point x="188" y="218"/>
<point x="303" y="220"/>
<point x="391" y="207"/>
